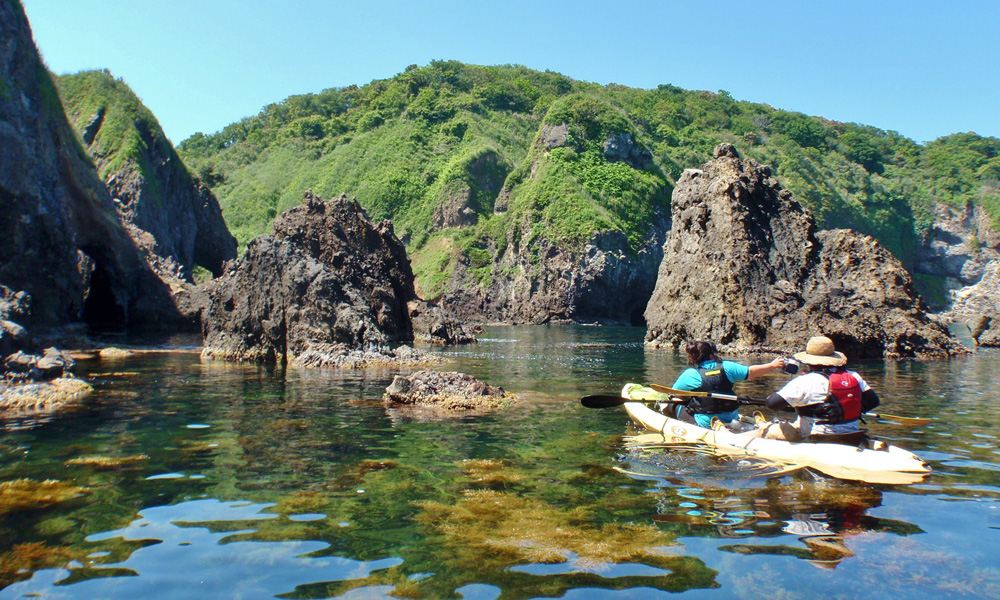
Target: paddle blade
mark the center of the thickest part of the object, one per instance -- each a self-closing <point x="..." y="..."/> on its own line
<point x="910" y="421"/>
<point x="602" y="401"/>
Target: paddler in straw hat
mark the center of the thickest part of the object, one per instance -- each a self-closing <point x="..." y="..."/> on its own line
<point x="827" y="398"/>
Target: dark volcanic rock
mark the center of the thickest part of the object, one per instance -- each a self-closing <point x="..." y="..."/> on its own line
<point x="60" y="240"/>
<point x="326" y="282"/>
<point x="745" y="266"/>
<point x="449" y="390"/>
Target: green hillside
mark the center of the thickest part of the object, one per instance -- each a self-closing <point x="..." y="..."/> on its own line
<point x="457" y="139"/>
<point x="129" y="132"/>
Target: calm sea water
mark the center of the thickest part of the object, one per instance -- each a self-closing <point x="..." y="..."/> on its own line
<point x="186" y="479"/>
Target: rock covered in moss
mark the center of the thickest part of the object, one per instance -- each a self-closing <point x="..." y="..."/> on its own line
<point x="449" y="390"/>
<point x="29" y="399"/>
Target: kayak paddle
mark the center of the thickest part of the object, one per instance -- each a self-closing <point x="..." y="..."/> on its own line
<point x="608" y="400"/>
<point x="691" y="394"/>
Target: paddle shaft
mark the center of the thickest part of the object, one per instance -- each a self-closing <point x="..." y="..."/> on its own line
<point x="607" y="401"/>
<point x="692" y="394"/>
<point x="762" y="402"/>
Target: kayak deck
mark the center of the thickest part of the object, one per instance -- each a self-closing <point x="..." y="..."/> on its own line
<point x="889" y="464"/>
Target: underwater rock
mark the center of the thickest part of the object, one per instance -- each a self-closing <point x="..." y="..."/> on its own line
<point x="111" y="353"/>
<point x="28" y="399"/>
<point x="449" y="390"/>
<point x="27" y="494"/>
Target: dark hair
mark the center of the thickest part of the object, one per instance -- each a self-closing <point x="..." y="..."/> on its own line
<point x="700" y="351"/>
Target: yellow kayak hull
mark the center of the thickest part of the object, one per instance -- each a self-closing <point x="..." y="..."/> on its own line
<point x="890" y="464"/>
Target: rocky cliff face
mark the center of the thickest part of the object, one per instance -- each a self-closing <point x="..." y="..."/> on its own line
<point x="174" y="219"/>
<point x="958" y="247"/>
<point x="604" y="283"/>
<point x="962" y="253"/>
<point x="978" y="306"/>
<point x="745" y="266"/>
<point x="60" y="239"/>
<point x="533" y="280"/>
<point x="327" y="280"/>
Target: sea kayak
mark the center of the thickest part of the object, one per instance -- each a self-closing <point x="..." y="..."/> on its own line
<point x="878" y="462"/>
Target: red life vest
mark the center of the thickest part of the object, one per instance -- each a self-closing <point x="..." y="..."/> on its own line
<point x="846" y="391"/>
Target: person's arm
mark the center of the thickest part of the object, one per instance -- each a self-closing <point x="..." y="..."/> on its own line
<point x="869" y="400"/>
<point x="758" y="370"/>
<point x="788" y="396"/>
<point x="776" y="402"/>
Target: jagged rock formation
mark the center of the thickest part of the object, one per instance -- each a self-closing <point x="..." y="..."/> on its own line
<point x="447" y="390"/>
<point x="174" y="220"/>
<point x="60" y="240"/>
<point x="326" y="281"/>
<point x="745" y="266"/>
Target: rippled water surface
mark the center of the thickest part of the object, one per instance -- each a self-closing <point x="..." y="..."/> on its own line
<point x="186" y="479"/>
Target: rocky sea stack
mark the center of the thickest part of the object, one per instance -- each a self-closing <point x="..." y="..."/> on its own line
<point x="325" y="283"/>
<point x="745" y="266"/>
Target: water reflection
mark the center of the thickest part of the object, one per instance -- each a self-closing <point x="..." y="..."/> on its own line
<point x="699" y="493"/>
<point x="300" y="484"/>
<point x="141" y="560"/>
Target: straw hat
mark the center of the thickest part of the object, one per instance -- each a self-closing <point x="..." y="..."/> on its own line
<point x="820" y="351"/>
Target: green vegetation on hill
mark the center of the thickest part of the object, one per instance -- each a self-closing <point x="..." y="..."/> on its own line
<point x="436" y="148"/>
<point x="128" y="133"/>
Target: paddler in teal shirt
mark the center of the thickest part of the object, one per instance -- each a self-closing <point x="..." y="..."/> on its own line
<point x="709" y="373"/>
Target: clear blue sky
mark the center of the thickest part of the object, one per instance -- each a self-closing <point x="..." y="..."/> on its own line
<point x="922" y="68"/>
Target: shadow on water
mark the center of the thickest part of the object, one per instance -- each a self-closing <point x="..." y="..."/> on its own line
<point x="182" y="477"/>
